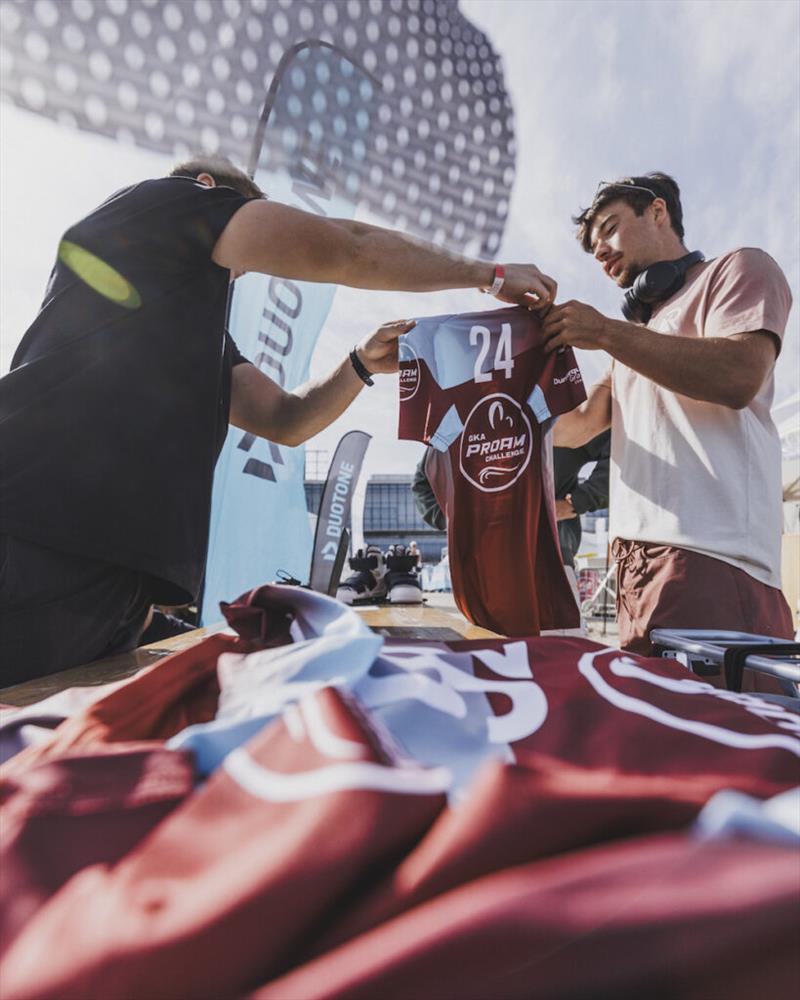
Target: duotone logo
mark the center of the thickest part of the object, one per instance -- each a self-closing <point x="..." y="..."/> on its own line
<point x="573" y="375"/>
<point x="496" y="443"/>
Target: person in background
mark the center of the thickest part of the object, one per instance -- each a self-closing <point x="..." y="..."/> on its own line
<point x="575" y="497"/>
<point x="425" y="499"/>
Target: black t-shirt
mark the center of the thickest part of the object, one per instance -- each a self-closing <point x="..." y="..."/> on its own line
<point x="116" y="407"/>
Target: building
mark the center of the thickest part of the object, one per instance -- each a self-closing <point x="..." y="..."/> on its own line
<point x="389" y="512"/>
<point x="391" y="517"/>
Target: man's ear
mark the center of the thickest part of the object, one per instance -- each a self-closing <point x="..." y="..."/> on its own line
<point x="206" y="179"/>
<point x="659" y="209"/>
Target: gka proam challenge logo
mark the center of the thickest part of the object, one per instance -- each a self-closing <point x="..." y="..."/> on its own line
<point x="409" y="370"/>
<point x="496" y="443"/>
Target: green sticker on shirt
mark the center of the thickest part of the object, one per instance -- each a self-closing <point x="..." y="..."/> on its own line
<point x="99" y="275"/>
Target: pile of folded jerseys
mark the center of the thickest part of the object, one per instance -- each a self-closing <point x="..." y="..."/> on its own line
<point x="304" y="809"/>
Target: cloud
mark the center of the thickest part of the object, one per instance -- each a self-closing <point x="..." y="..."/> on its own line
<point x="704" y="90"/>
<point x="707" y="91"/>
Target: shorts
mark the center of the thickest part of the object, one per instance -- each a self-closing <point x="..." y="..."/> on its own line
<point x="660" y="586"/>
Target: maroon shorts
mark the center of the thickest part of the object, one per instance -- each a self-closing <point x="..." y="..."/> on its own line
<point x="659" y="586"/>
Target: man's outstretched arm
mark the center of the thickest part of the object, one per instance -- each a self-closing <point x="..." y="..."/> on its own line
<point x="262" y="407"/>
<point x="275" y="239"/>
<point x="726" y="370"/>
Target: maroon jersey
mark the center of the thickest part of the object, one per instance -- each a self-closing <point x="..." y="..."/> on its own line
<point x="320" y="860"/>
<point x="229" y="890"/>
<point x="317" y="862"/>
<point x="480" y="390"/>
<point x="663" y="916"/>
<point x="72" y="812"/>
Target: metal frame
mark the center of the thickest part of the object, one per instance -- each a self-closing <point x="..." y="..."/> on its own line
<point x="607" y="590"/>
<point x="699" y="648"/>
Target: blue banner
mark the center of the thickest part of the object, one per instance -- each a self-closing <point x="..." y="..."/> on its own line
<point x="306" y="156"/>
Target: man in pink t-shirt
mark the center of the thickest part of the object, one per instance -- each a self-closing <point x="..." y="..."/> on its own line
<point x="695" y="515"/>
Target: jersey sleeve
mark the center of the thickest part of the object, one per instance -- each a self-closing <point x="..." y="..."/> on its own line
<point x="749" y="293"/>
<point x="422" y="404"/>
<point x="559" y="387"/>
<point x="447" y="431"/>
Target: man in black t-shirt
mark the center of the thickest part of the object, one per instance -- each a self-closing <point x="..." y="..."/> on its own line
<point x="116" y="407"/>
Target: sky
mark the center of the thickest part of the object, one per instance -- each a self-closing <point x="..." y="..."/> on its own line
<point x="706" y="91"/>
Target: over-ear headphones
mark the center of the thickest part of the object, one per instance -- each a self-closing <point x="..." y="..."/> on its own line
<point x="656" y="284"/>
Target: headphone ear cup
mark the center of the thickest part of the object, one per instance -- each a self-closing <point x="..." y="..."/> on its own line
<point x="656" y="284"/>
<point x="658" y="281"/>
<point x="633" y="309"/>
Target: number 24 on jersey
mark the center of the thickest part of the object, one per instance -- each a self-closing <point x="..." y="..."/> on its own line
<point x="503" y="360"/>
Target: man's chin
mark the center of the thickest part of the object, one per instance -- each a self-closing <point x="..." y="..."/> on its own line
<point x="626" y="278"/>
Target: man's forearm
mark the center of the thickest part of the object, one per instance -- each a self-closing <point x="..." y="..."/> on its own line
<point x="313" y="406"/>
<point x="714" y="370"/>
<point x="286" y="243"/>
<point x="387" y="259"/>
<point x="585" y="422"/>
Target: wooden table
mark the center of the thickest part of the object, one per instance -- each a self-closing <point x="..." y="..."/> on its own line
<point x="437" y="620"/>
<point x="112" y="668"/>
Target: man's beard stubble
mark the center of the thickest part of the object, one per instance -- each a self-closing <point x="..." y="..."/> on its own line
<point x="629" y="275"/>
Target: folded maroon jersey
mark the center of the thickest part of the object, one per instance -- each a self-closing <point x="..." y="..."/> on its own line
<point x="481" y="391"/>
<point x="457" y="704"/>
<point x="320" y="863"/>
<point x="663" y="916"/>
<point x="67" y="814"/>
<point x="229" y="888"/>
<point x="319" y="860"/>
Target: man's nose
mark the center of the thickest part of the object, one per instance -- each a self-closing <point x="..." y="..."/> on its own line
<point x="601" y="251"/>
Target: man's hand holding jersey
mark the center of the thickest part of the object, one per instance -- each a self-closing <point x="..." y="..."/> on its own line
<point x="575" y="324"/>
<point x="379" y="351"/>
<point x="526" y="285"/>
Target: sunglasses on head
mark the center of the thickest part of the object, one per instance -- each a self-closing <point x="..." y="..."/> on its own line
<point x="621" y="186"/>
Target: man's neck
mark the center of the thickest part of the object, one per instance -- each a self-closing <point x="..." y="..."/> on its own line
<point x="674" y="251"/>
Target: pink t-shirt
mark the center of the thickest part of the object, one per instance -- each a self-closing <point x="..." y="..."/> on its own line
<point x="699" y="475"/>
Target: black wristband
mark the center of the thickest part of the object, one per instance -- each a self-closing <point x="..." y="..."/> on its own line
<point x="360" y="370"/>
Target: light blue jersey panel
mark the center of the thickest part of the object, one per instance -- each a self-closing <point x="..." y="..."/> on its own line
<point x="451" y="350"/>
<point x="448" y="430"/>
<point x="427" y="698"/>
